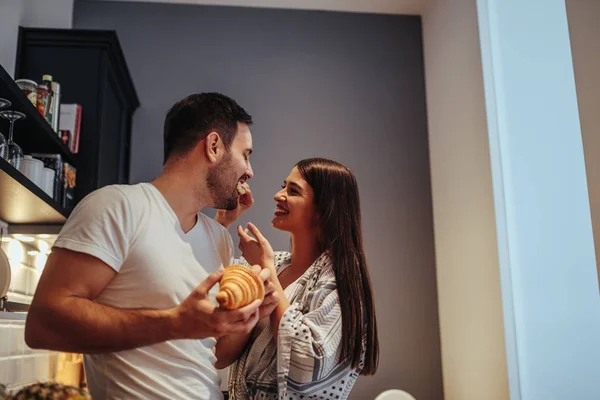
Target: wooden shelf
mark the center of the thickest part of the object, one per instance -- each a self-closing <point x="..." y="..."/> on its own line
<point x="23" y="202"/>
<point x="33" y="134"/>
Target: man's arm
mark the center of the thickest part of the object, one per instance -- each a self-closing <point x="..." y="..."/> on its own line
<point x="64" y="317"/>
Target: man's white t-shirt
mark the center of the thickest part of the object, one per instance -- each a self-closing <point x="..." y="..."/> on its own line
<point x="133" y="229"/>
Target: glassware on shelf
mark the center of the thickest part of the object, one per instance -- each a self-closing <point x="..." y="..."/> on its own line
<point x="3" y="148"/>
<point x="14" y="153"/>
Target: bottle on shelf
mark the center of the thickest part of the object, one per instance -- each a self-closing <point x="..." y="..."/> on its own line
<point x="55" y="106"/>
<point x="43" y="98"/>
<point x="47" y="80"/>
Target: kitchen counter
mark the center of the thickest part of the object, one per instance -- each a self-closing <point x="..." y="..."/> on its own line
<point x="15" y="316"/>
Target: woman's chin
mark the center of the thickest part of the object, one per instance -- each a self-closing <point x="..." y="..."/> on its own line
<point x="279" y="224"/>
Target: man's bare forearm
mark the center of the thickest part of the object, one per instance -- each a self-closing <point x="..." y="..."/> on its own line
<point x="79" y="325"/>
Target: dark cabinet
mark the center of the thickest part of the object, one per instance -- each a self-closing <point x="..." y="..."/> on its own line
<point x="91" y="68"/>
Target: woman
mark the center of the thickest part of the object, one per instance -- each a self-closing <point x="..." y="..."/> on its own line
<point x="323" y="332"/>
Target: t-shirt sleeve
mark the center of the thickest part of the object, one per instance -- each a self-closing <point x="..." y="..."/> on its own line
<point x="101" y="225"/>
<point x="229" y="247"/>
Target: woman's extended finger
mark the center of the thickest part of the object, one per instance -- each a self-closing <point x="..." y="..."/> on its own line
<point x="243" y="234"/>
<point x="256" y="232"/>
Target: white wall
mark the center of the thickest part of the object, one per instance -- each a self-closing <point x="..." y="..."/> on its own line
<point x="10" y="17"/>
<point x="584" y="31"/>
<point x="548" y="266"/>
<point x="30" y="13"/>
<point x="469" y="297"/>
<point x="48" y="14"/>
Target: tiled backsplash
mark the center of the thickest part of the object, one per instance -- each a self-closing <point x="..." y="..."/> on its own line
<point x="20" y="365"/>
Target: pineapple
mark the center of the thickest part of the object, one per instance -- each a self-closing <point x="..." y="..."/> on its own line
<point x="50" y="391"/>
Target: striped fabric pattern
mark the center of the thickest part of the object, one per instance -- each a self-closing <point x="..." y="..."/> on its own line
<point x="304" y="362"/>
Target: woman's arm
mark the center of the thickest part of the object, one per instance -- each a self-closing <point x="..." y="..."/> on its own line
<point x="279" y="311"/>
<point x="228" y="217"/>
<point x="229" y="348"/>
<point x="309" y="341"/>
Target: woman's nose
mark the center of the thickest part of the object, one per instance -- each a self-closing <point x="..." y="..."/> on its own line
<point x="279" y="196"/>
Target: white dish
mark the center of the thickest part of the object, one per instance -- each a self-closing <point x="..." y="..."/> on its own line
<point x="4" y="274"/>
<point x="33" y="169"/>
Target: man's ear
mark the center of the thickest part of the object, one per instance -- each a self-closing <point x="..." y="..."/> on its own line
<point x="213" y="147"/>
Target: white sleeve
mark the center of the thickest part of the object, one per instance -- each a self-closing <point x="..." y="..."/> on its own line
<point x="101" y="225"/>
<point x="230" y="249"/>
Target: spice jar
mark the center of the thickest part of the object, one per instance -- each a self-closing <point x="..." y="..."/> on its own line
<point x="30" y="88"/>
<point x="43" y="98"/>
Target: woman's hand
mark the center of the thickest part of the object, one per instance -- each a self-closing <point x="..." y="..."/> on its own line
<point x="245" y="201"/>
<point x="257" y="249"/>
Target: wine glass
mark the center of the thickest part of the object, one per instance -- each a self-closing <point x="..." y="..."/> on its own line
<point x="14" y="154"/>
<point x="3" y="149"/>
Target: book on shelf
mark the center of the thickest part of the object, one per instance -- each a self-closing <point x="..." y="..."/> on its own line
<point x="70" y="125"/>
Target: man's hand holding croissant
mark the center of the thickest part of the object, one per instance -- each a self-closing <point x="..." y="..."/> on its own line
<point x="271" y="297"/>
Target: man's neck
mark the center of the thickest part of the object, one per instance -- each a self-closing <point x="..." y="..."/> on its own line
<point x="180" y="190"/>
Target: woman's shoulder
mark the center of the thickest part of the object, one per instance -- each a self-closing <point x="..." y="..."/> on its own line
<point x="324" y="264"/>
<point x="281" y="257"/>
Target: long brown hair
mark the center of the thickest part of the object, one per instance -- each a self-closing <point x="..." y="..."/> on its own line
<point x="338" y="207"/>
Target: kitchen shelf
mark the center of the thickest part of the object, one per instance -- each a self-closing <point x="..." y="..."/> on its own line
<point x="92" y="71"/>
<point x="23" y="202"/>
<point x="33" y="134"/>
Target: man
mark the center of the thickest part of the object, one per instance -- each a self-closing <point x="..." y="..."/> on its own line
<point x="121" y="284"/>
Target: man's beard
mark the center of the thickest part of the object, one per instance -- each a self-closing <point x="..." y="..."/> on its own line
<point x="221" y="181"/>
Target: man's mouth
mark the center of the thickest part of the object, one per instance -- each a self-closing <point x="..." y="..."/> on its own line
<point x="241" y="187"/>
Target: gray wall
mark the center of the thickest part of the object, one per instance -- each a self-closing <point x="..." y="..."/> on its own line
<point x="344" y="86"/>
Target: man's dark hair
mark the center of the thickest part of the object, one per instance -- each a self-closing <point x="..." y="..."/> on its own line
<point x="190" y="120"/>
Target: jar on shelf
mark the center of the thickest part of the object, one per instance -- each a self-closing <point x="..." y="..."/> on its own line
<point x="43" y="98"/>
<point x="30" y="88"/>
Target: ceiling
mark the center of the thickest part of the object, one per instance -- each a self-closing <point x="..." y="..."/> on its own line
<point x="407" y="7"/>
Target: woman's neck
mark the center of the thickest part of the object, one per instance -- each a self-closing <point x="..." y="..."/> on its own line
<point x="305" y="250"/>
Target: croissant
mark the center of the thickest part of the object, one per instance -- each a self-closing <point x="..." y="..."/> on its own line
<point x="241" y="189"/>
<point x="240" y="286"/>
